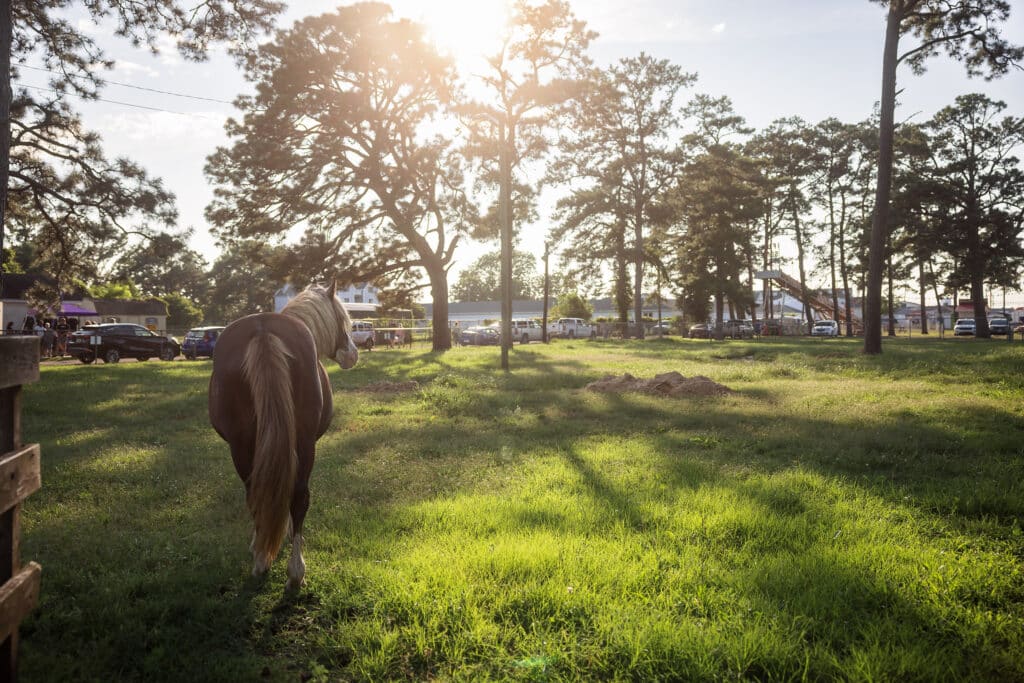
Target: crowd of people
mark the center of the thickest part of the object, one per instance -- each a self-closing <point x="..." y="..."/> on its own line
<point x="53" y="337"/>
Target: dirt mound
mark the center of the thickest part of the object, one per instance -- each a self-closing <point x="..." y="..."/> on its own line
<point x="669" y="384"/>
<point x="384" y="387"/>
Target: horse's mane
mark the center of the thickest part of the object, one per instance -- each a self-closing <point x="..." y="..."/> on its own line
<point x="322" y="314"/>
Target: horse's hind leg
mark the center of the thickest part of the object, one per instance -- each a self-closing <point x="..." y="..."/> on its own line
<point x="300" y="504"/>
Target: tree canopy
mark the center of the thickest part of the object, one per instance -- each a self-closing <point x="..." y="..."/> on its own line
<point x="73" y="204"/>
<point x="339" y="141"/>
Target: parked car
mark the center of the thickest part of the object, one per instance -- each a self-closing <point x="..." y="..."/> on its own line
<point x="700" y="331"/>
<point x="964" y="327"/>
<point x="661" y="330"/>
<point x="362" y="334"/>
<point x="115" y="341"/>
<point x="738" y="329"/>
<point x="999" y="326"/>
<point x="825" y="328"/>
<point x="479" y="336"/>
<point x="199" y="341"/>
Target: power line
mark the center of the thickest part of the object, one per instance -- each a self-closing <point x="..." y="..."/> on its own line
<point x="136" y="87"/>
<point x="123" y="104"/>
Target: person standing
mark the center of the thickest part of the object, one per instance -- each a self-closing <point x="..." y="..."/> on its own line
<point x="62" y="336"/>
<point x="48" y="337"/>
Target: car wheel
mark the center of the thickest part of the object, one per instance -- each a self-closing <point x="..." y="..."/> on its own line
<point x="142" y="359"/>
<point x="112" y="356"/>
<point x="572" y="334"/>
<point x="525" y="339"/>
<point x="190" y="356"/>
<point x="87" y="357"/>
<point x="369" y="344"/>
<point x="168" y="353"/>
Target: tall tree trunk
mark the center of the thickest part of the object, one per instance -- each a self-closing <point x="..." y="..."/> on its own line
<point x="981" y="330"/>
<point x="621" y="277"/>
<point x="941" y="321"/>
<point x="844" y="271"/>
<point x="439" y="294"/>
<point x="804" y="295"/>
<point x="767" y="308"/>
<point x="921" y="287"/>
<point x="889" y="296"/>
<point x="506" y="152"/>
<point x="638" y="275"/>
<point x="832" y="251"/>
<point x="880" y="218"/>
<point x="6" y="33"/>
<point x="975" y="262"/>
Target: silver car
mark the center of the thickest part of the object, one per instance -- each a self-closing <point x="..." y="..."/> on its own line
<point x="964" y="327"/>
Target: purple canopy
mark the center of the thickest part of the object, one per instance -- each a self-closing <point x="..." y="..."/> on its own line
<point x="74" y="309"/>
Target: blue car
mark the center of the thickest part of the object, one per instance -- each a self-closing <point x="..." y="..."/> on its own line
<point x="200" y="342"/>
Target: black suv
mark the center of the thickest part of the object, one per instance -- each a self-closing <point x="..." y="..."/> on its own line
<point x="115" y="341"/>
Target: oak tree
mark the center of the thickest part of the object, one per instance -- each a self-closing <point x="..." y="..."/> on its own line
<point x="341" y="140"/>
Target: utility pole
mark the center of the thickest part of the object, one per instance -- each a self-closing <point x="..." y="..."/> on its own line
<point x="547" y="291"/>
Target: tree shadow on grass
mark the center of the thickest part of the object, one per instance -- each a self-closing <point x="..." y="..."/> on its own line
<point x="146" y="574"/>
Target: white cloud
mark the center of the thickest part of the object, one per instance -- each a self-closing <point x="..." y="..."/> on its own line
<point x="718" y="28"/>
<point x="127" y="70"/>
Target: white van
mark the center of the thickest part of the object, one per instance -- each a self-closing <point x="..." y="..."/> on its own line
<point x="362" y="334"/>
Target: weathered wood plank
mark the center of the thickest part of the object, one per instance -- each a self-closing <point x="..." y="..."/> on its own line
<point x="18" y="597"/>
<point x="19" y="360"/>
<point x="19" y="476"/>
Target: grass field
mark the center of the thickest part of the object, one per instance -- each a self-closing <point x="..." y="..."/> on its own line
<point x="837" y="517"/>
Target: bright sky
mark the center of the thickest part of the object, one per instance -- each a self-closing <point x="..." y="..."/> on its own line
<point x="774" y="58"/>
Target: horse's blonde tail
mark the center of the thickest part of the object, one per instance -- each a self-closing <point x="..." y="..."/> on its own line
<point x="265" y="367"/>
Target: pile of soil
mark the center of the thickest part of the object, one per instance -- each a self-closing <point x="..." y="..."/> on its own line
<point x="385" y="387"/>
<point x="669" y="384"/>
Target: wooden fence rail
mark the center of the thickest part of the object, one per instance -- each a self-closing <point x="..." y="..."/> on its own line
<point x="19" y="478"/>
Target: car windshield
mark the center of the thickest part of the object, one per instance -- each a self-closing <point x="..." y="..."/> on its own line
<point x="965" y="322"/>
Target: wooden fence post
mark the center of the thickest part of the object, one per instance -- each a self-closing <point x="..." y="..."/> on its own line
<point x="19" y="478"/>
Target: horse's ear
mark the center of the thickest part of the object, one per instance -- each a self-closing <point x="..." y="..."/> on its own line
<point x="334" y="288"/>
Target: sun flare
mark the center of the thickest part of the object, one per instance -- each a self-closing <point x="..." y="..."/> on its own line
<point x="467" y="30"/>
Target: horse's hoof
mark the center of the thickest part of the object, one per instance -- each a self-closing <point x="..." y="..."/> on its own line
<point x="292" y="586"/>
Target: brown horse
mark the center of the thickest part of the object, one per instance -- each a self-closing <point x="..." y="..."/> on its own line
<point x="270" y="399"/>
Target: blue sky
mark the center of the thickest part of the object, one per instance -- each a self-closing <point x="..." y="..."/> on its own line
<point x="774" y="58"/>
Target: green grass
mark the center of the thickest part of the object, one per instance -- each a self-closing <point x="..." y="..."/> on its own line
<point x="837" y="517"/>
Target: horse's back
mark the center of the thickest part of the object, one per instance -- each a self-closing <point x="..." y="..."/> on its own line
<point x="230" y="398"/>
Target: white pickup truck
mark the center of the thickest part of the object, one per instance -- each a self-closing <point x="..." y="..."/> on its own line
<point x="571" y="328"/>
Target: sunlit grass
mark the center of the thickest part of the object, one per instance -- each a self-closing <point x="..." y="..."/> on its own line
<point x="836" y="517"/>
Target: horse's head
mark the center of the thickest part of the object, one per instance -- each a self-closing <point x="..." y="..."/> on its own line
<point x="345" y="352"/>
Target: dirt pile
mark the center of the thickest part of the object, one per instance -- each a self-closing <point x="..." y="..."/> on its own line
<point x="669" y="384"/>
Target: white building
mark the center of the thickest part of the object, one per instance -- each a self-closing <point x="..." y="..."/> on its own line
<point x="358" y="299"/>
